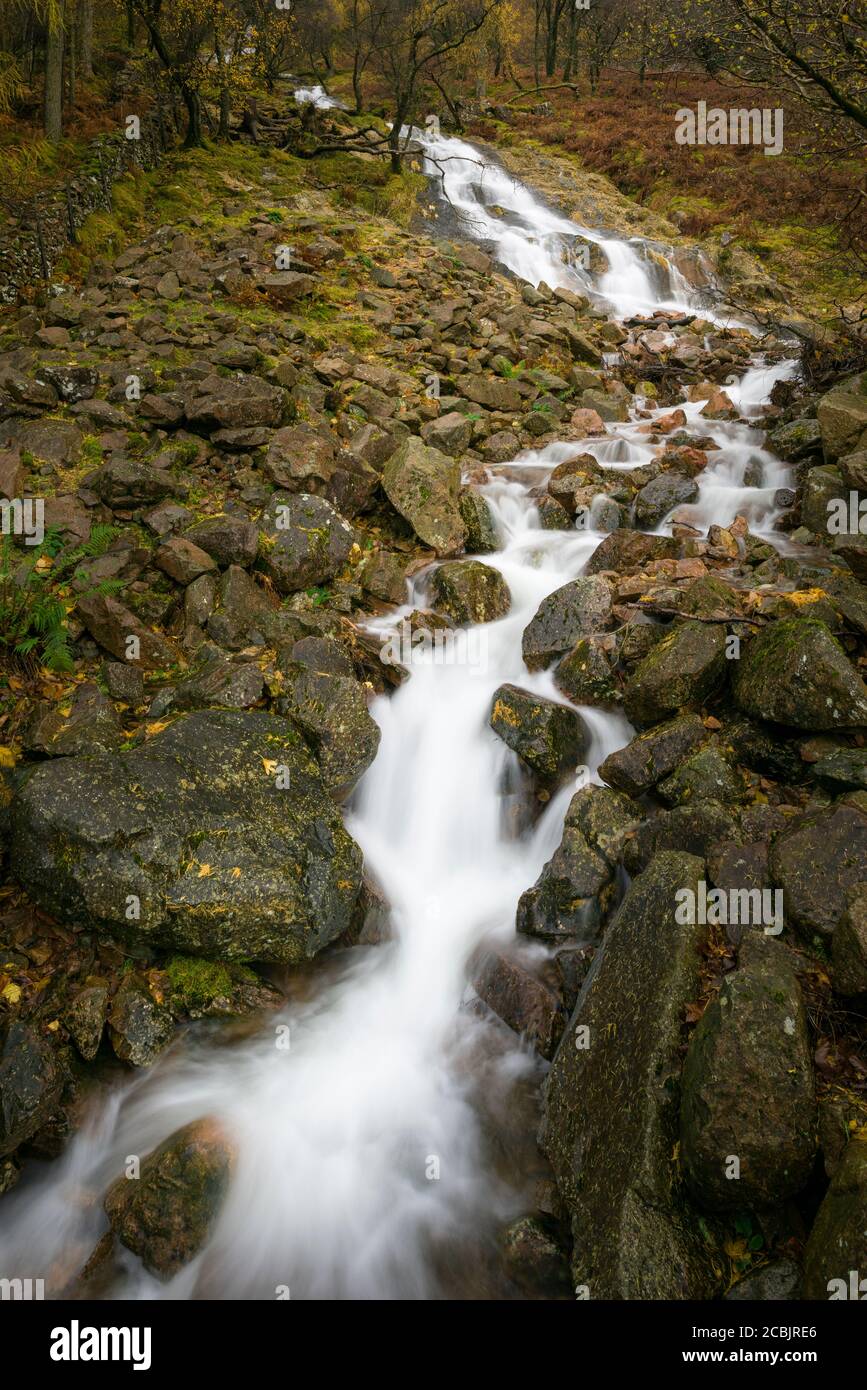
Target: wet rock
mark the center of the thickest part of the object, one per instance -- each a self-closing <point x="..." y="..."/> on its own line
<point x="817" y="863"/>
<point x="467" y="591"/>
<point x="573" y="611"/>
<point x="635" y="1233"/>
<point x="586" y="674"/>
<point x="30" y="1083"/>
<point x="305" y="541"/>
<point x="491" y="392"/>
<point x="536" y="1260"/>
<point x="112" y="625"/>
<point x="244" y="614"/>
<point x="167" y="1214"/>
<point x="218" y="833"/>
<point x="796" y="440"/>
<point x="124" y="682"/>
<point x="139" y="1027"/>
<point x="331" y="711"/>
<point x="482" y="538"/>
<point x="820" y="490"/>
<point x="849" y="945"/>
<point x="624" y="551"/>
<point x="844" y="767"/>
<point x="838" y="1240"/>
<point x="520" y="1000"/>
<point x="853" y="469"/>
<point x="606" y="818"/>
<point x="383" y="576"/>
<point x="220" y="685"/>
<point x="571" y="897"/>
<point x="660" y="496"/>
<point x="424" y="485"/>
<point x="684" y="668"/>
<point x="550" y="739"/>
<point x="796" y="673"/>
<point x="777" y="1282"/>
<point x="705" y="775"/>
<point x="230" y="540"/>
<point x="696" y="829"/>
<point x="88" y="724"/>
<point x="748" y="1093"/>
<point x="85" y="1019"/>
<point x="653" y="755"/>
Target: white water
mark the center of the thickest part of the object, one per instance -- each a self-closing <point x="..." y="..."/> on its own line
<point x="318" y="97"/>
<point x="388" y="1080"/>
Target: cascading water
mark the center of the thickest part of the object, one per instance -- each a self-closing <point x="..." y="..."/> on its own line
<point x="364" y="1165"/>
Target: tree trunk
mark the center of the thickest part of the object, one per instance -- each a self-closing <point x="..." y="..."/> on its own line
<point x="54" y="78"/>
<point x="85" y="39"/>
<point x="71" y="58"/>
<point x="356" y="83"/>
<point x="130" y="24"/>
<point x="193" y="136"/>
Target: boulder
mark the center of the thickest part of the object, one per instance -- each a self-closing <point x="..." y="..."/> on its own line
<point x="167" y="1214"/>
<point x="30" y="1083"/>
<point x="849" y="945"/>
<point x="230" y="540"/>
<point x="837" y="1247"/>
<point x="451" y="433"/>
<point x="796" y="673"/>
<point x="111" y="624"/>
<point x="660" y="496"/>
<point x="610" y="1123"/>
<point x="331" y="711"/>
<point x="467" y="591"/>
<point x="586" y="675"/>
<point x="304" y="541"/>
<point x="842" y="415"/>
<point x="571" y="896"/>
<point x="684" y="668"/>
<point x="216" y="837"/>
<point x="482" y="537"/>
<point x="424" y="485"/>
<point x="125" y="483"/>
<point x="139" y="1027"/>
<point x="653" y="755"/>
<point x="748" y="1120"/>
<point x="550" y="739"/>
<point x="523" y="1003"/>
<point x="571" y="612"/>
<point x="625" y="551"/>
<point x="817" y="863"/>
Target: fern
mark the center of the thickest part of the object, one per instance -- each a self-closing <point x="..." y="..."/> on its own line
<point x="35" y="594"/>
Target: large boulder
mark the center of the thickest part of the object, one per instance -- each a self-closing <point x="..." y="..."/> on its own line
<point x="796" y="673"/>
<point x="610" y="1123"/>
<point x="682" y="670"/>
<point x="331" y="710"/>
<point x="425" y="485"/>
<point x="748" y="1119"/>
<point x="661" y="495"/>
<point x="842" y="415"/>
<point x="653" y="755"/>
<point x="235" y="402"/>
<point x="217" y="838"/>
<point x="468" y="591"/>
<point x="30" y="1083"/>
<point x="818" y="863"/>
<point x="550" y="739"/>
<point x="572" y="894"/>
<point x="849" y="945"/>
<point x="837" y="1247"/>
<point x="303" y="541"/>
<point x="166" y="1215"/>
<point x="571" y="612"/>
<point x="624" y="551"/>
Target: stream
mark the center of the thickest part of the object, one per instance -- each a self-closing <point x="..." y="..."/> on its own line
<point x="379" y="1155"/>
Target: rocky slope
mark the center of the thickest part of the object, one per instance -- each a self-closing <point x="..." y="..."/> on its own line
<point x="248" y="428"/>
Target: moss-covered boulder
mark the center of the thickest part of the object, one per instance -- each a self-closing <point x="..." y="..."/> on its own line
<point x="550" y="739"/>
<point x="166" y="1214"/>
<point x="705" y="775"/>
<point x="303" y="541"/>
<point x="838" y="1241"/>
<point x="571" y="612"/>
<point x="610" y="1123"/>
<point x="217" y="838"/>
<point x="818" y="863"/>
<point x="571" y="896"/>
<point x="331" y="711"/>
<point x="468" y="591"/>
<point x="653" y="755"/>
<point x="796" y="673"/>
<point x="30" y="1083"/>
<point x="850" y="945"/>
<point x="482" y="538"/>
<point x="681" y="671"/>
<point x="424" y="485"/>
<point x="623" y="551"/>
<point x="842" y="415"/>
<point x="661" y="495"/>
<point x="586" y="675"/>
<point x="748" y="1119"/>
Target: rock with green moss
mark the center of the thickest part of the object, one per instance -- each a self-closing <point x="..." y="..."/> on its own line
<point x="216" y="838"/>
<point x="331" y="711"/>
<point x="610" y="1124"/>
<point x="653" y="755"/>
<point x="838" y="1240"/>
<point x="586" y="674"/>
<point x="748" y="1090"/>
<point x="575" y="610"/>
<point x="818" y="863"/>
<point x="842" y="414"/>
<point x="571" y="896"/>
<point x="482" y="538"/>
<point x="850" y="945"/>
<point x="303" y="541"/>
<point x="550" y="739"/>
<point x="424" y="485"/>
<point x="796" y="673"/>
<point x="30" y="1083"/>
<point x="166" y="1215"/>
<point x="139" y="1026"/>
<point x="706" y="775"/>
<point x="467" y="591"/>
<point x="796" y="440"/>
<point x="681" y="671"/>
<point x="198" y="988"/>
<point x="660" y="496"/>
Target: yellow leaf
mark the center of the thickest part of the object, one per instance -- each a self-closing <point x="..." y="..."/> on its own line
<point x="236" y="873"/>
<point x="204" y="870"/>
<point x="270" y="766"/>
<point x="12" y="993"/>
<point x="151" y="729"/>
<point x="7" y="756"/>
